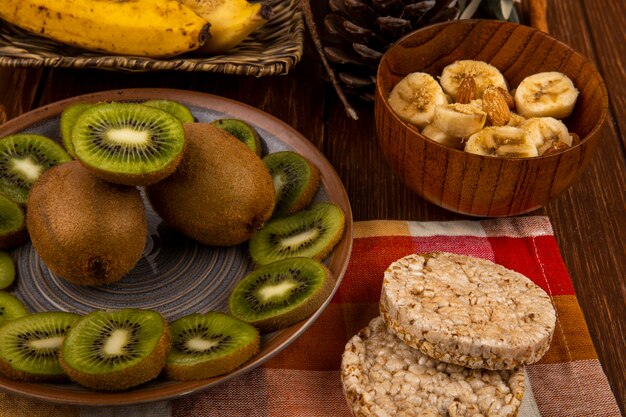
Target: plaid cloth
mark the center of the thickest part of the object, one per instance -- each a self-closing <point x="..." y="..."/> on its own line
<point x="304" y="379"/>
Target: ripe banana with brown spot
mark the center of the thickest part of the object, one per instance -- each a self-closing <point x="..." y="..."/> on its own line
<point x="546" y="94"/>
<point x="154" y="28"/>
<point x="415" y="97"/>
<point x="504" y="141"/>
<point x="231" y="21"/>
<point x="546" y="132"/>
<point x="484" y="75"/>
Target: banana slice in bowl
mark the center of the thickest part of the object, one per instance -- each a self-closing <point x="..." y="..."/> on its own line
<point x="415" y="97"/>
<point x="546" y="132"/>
<point x="503" y="141"/>
<point x="484" y="75"/>
<point x="546" y="94"/>
<point x="459" y="120"/>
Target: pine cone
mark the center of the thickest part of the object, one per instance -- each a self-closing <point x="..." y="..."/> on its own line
<point x="357" y="33"/>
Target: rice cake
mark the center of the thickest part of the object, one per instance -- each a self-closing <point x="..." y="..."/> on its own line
<point x="384" y="377"/>
<point x="468" y="311"/>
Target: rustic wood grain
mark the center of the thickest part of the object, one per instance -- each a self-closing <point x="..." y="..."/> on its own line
<point x="589" y="219"/>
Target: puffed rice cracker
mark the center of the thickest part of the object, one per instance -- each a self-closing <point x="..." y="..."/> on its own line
<point x="468" y="311"/>
<point x="384" y="377"/>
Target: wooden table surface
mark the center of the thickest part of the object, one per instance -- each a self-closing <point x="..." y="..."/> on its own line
<point x="589" y="219"/>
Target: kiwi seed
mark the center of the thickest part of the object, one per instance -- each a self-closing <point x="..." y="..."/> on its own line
<point x="11" y="307"/>
<point x="177" y="109"/>
<point x="207" y="345"/>
<point x="279" y="294"/>
<point x="68" y="119"/>
<point x="296" y="181"/>
<point x="23" y="158"/>
<point x="12" y="224"/>
<point x="310" y="233"/>
<point x="115" y="350"/>
<point x="128" y="143"/>
<point x="29" y="346"/>
<point x="242" y="131"/>
<point x="7" y="270"/>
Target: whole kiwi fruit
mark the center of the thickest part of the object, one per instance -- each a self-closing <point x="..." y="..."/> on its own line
<point x="221" y="193"/>
<point x="86" y="230"/>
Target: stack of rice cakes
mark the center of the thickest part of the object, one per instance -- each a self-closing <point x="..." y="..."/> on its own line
<point x="452" y="339"/>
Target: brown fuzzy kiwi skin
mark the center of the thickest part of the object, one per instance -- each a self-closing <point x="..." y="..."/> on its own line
<point x="213" y="368"/>
<point x="145" y="371"/>
<point x="86" y="230"/>
<point x="7" y="370"/>
<point x="221" y="193"/>
<point x="136" y="180"/>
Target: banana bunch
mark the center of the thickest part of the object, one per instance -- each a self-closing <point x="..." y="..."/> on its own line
<point x="470" y="108"/>
<point x="155" y="28"/>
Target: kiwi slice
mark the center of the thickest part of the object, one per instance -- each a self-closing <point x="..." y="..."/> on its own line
<point x="12" y="224"/>
<point x="177" y="109"/>
<point x="128" y="143"/>
<point x="207" y="345"/>
<point x="11" y="307"/>
<point x="277" y="295"/>
<point x="23" y="158"/>
<point x="296" y="181"/>
<point x="68" y="119"/>
<point x="7" y="270"/>
<point x="29" y="346"/>
<point x="115" y="350"/>
<point x="242" y="131"/>
<point x="310" y="233"/>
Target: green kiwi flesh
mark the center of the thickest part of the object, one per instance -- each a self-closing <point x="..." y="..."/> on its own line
<point x="128" y="143"/>
<point x="282" y="293"/>
<point x="310" y="233"/>
<point x="116" y="350"/>
<point x="242" y="131"/>
<point x="296" y="181"/>
<point x="177" y="109"/>
<point x="29" y="346"/>
<point x="68" y="119"/>
<point x="7" y="270"/>
<point x="11" y="307"/>
<point x="23" y="158"/>
<point x="207" y="345"/>
<point x="86" y="230"/>
<point x="12" y="224"/>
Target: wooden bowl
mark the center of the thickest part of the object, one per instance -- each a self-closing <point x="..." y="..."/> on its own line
<point x="482" y="185"/>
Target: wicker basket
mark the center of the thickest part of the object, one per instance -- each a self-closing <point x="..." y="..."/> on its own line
<point x="273" y="49"/>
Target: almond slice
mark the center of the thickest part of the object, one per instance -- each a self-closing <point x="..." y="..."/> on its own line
<point x="496" y="106"/>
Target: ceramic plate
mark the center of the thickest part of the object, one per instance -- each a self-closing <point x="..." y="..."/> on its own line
<point x="175" y="276"/>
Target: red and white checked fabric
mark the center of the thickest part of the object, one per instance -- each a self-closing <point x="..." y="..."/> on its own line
<point x="304" y="381"/>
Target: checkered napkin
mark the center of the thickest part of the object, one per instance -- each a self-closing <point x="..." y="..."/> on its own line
<point x="304" y="379"/>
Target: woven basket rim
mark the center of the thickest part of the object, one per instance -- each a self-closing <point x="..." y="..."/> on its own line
<point x="274" y="49"/>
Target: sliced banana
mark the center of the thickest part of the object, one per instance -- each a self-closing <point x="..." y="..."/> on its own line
<point x="546" y="132"/>
<point x="546" y="94"/>
<point x="414" y="98"/>
<point x="516" y="120"/>
<point x="434" y="133"/>
<point x="483" y="73"/>
<point x="504" y="141"/>
<point x="459" y="120"/>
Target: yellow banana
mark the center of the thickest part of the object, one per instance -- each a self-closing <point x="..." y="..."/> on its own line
<point x="156" y="28"/>
<point x="231" y="21"/>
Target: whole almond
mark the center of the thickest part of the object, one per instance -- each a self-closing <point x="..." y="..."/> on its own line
<point x="466" y="91"/>
<point x="510" y="101"/>
<point x="496" y="107"/>
<point x="557" y="147"/>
